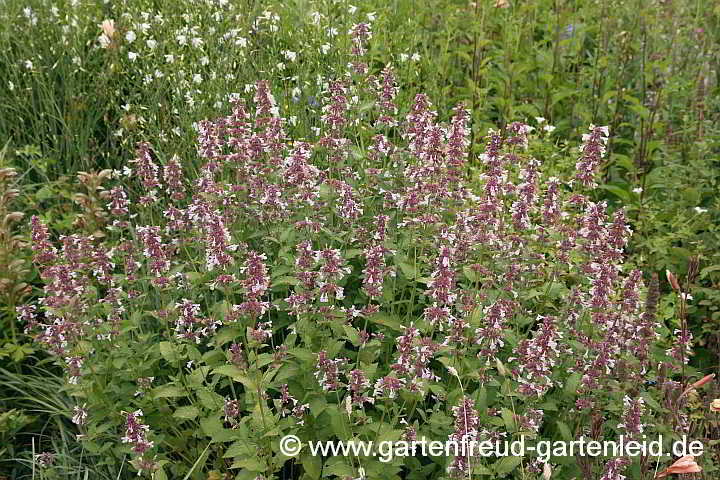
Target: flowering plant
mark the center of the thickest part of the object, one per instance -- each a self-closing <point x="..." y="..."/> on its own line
<point x="366" y="283"/>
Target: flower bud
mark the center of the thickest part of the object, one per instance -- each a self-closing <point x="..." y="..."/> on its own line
<point x="672" y="280"/>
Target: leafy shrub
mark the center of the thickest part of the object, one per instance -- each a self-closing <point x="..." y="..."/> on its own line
<point x="363" y="283"/>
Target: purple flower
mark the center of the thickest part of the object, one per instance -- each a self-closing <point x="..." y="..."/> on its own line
<point x="614" y="468"/>
<point x="632" y="416"/>
<point x="173" y="176"/>
<point x="328" y="371"/>
<point x="136" y="433"/>
<point x="466" y="430"/>
<point x="118" y="201"/>
<point x="43" y="251"/>
<point x="592" y="150"/>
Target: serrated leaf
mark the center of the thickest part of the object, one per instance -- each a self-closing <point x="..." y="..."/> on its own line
<point x="572" y="383"/>
<point x="506" y="465"/>
<point x="508" y="420"/>
<point x="564" y="430"/>
<point x="251" y="463"/>
<point x="169" y="352"/>
<point x="312" y="464"/>
<point x="168" y="391"/>
<point x="210" y="400"/>
<point x="186" y="413"/>
<point x="236" y="374"/>
<point x="385" y="319"/>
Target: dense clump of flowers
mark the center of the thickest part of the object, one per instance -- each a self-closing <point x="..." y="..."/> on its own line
<point x="370" y="269"/>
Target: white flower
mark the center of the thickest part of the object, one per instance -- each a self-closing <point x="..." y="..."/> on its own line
<point x="371" y="16"/>
<point x="151" y="44"/>
<point x="549" y="128"/>
<point x="325" y="48"/>
<point x="289" y="55"/>
<point x="637" y="190"/>
<point x="29" y="64"/>
<point x="204" y="60"/>
<point x="132" y="56"/>
<point x="700" y="210"/>
<point x="181" y="39"/>
<point x="332" y="32"/>
<point x="130" y="36"/>
<point x="197" y="78"/>
<point x="11" y="86"/>
<point x="415" y="57"/>
<point x="280" y="66"/>
<point x="197" y="42"/>
<point x="403" y="57"/>
<point x="169" y="58"/>
<point x="686" y="296"/>
<point x="539" y="119"/>
<point x="144" y="27"/>
<point x="352" y="9"/>
<point x="104" y="41"/>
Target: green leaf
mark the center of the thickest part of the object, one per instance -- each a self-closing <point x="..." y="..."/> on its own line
<point x="652" y="402"/>
<point x="169" y="352"/>
<point x="508" y="419"/>
<point x="564" y="430"/>
<point x="236" y="374"/>
<point x="285" y="280"/>
<point x="407" y="269"/>
<point x="251" y="463"/>
<point x="707" y="270"/>
<point x="168" y="391"/>
<point x="210" y="400"/>
<point x="186" y="413"/>
<point x="572" y="383"/>
<point x="385" y="319"/>
<point x="620" y="192"/>
<point x="312" y="465"/>
<point x="337" y="466"/>
<point x="506" y="465"/>
<point x="238" y="449"/>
